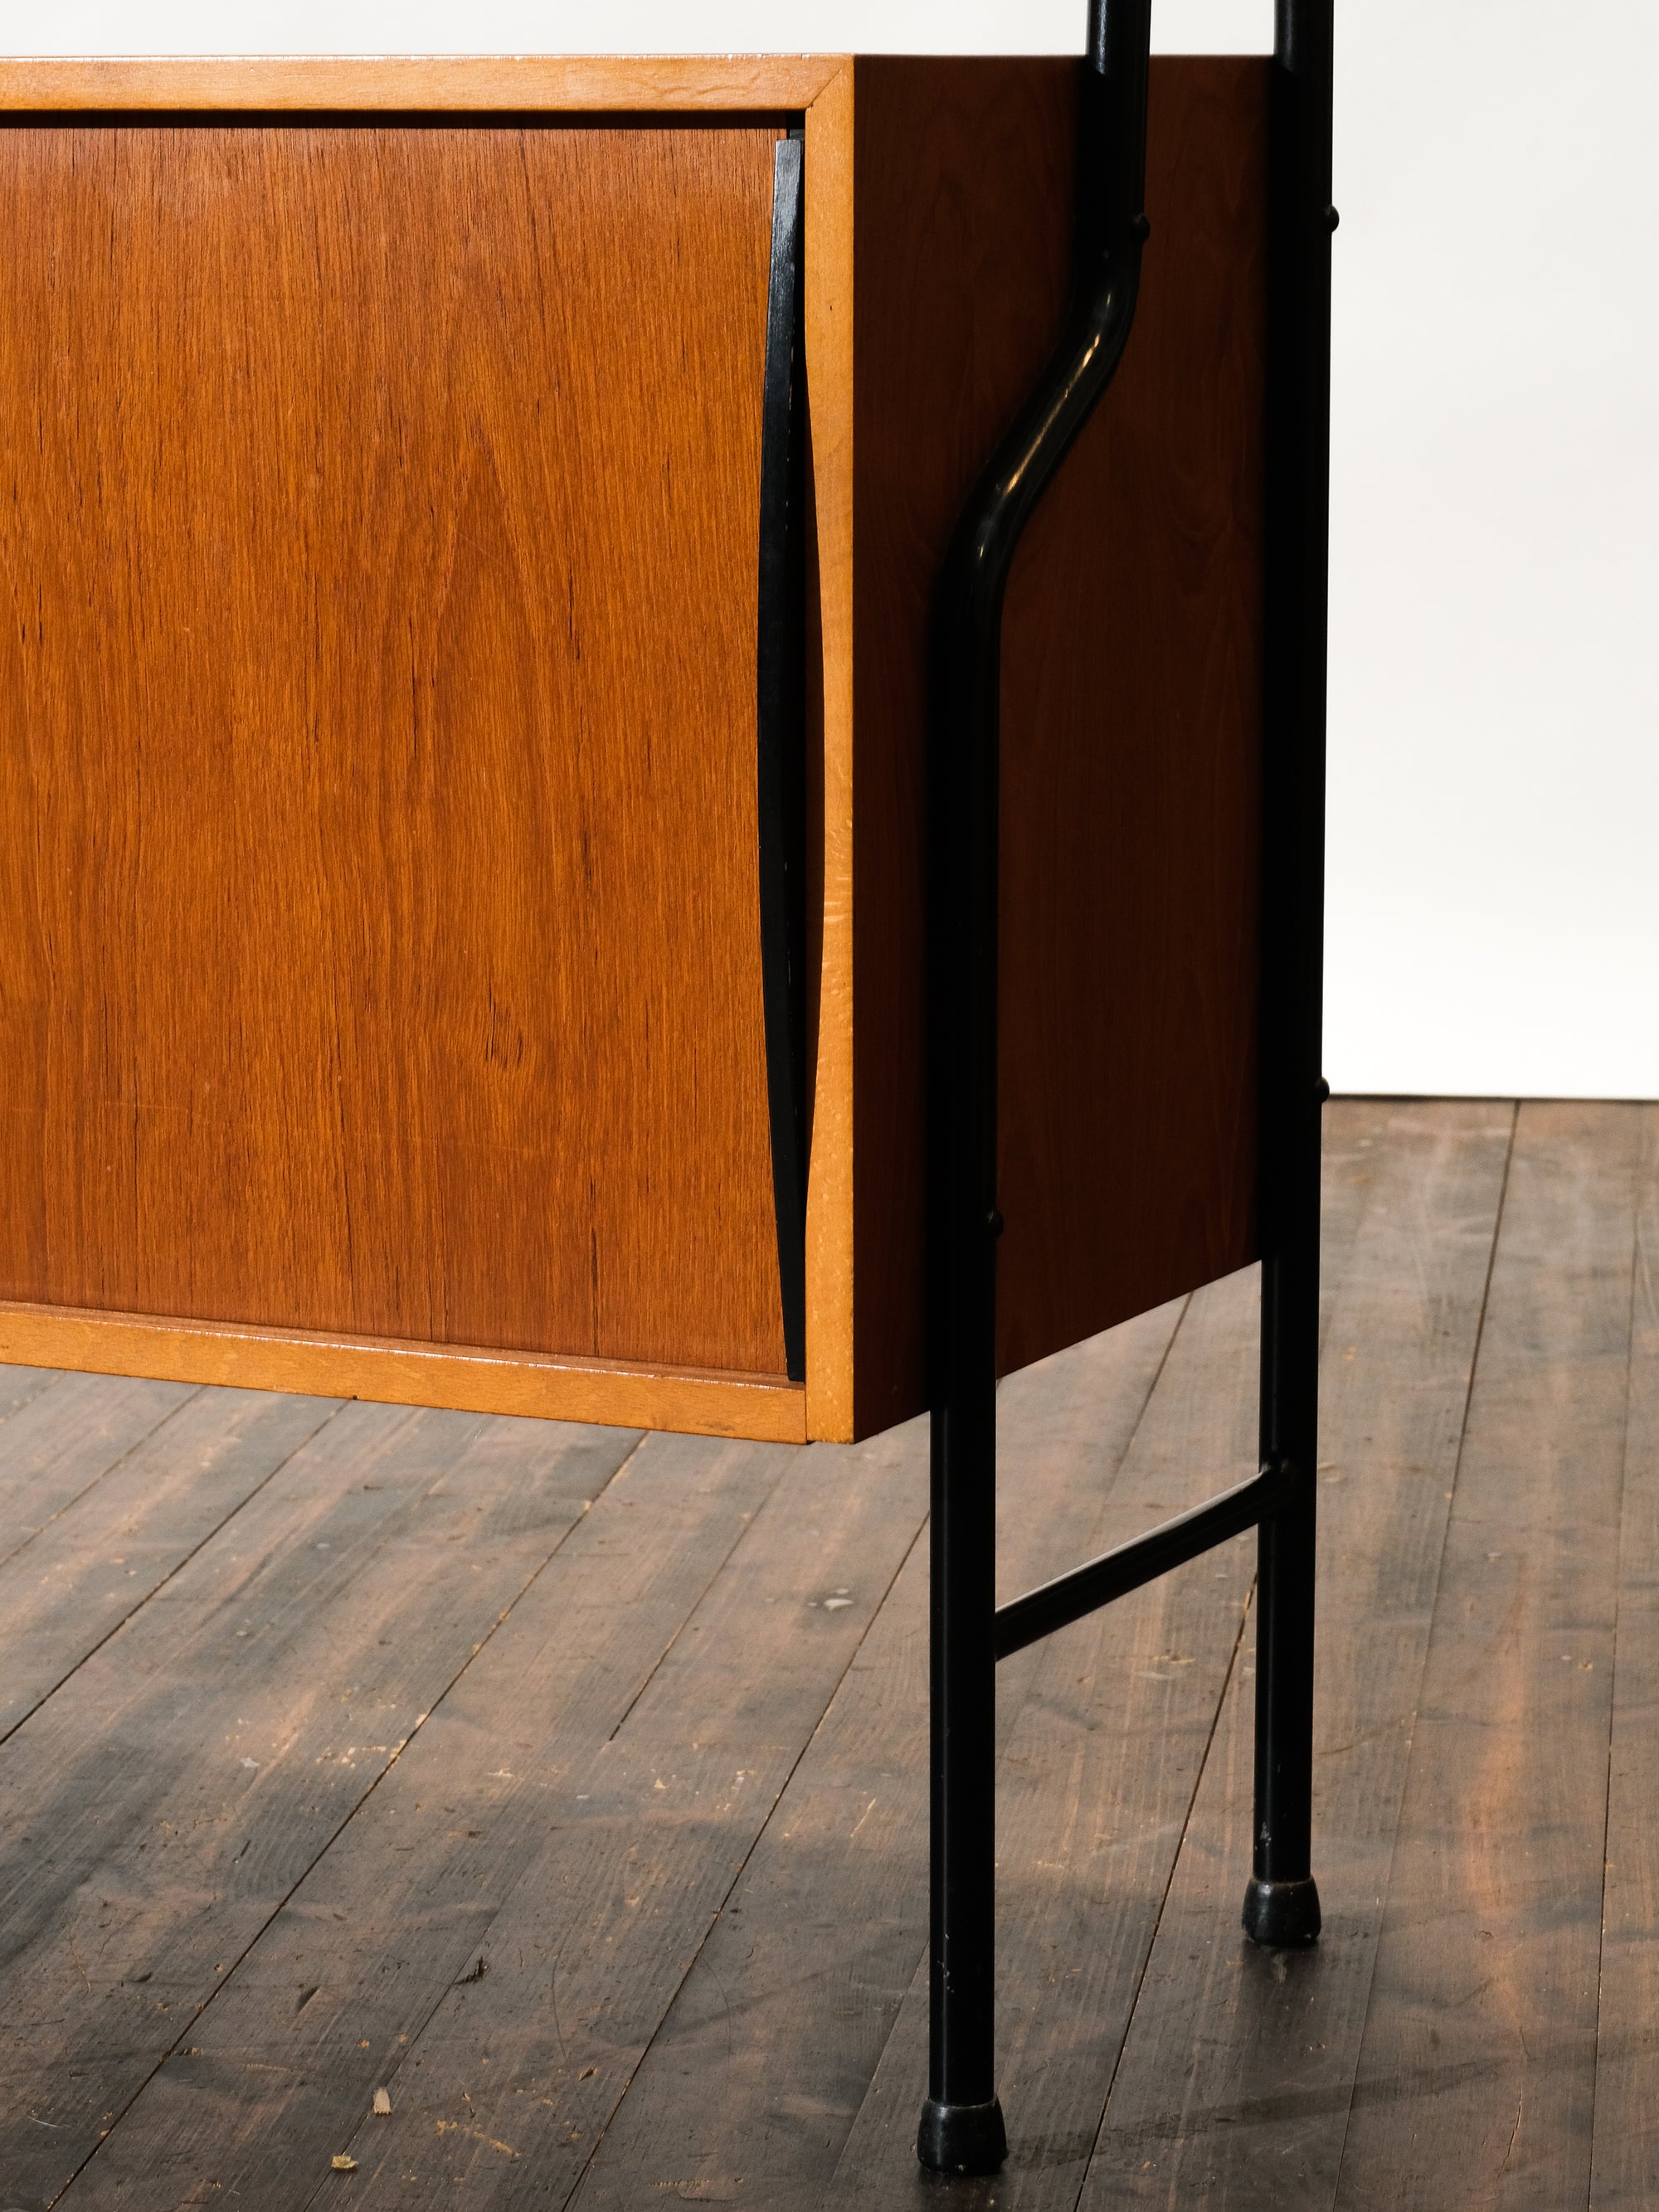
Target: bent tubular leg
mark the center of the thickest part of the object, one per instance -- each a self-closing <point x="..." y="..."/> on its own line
<point x="962" y="2128"/>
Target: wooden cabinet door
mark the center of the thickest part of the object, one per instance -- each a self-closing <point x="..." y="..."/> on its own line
<point x="378" y="941"/>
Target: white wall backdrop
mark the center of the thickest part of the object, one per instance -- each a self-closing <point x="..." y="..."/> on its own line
<point x="1494" y="905"/>
<point x="611" y="27"/>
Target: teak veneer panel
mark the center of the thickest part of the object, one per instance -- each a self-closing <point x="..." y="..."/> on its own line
<point x="379" y="992"/>
<point x="962" y="242"/>
<point x="1132" y="677"/>
<point x="378" y="950"/>
<point x="1131" y="682"/>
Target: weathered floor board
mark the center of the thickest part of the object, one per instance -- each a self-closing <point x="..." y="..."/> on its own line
<point x="1234" y="2084"/>
<point x="19" y="1384"/>
<point x="1090" y="1818"/>
<point x="1624" y="2172"/>
<point x="155" y="1811"/>
<point x="1477" y="2074"/>
<point x="819" y="1943"/>
<point x="61" y="1440"/>
<point x="108" y="1553"/>
<point x="515" y="1837"/>
<point x="1096" y="1784"/>
<point x="661" y="1820"/>
<point x="572" y="1786"/>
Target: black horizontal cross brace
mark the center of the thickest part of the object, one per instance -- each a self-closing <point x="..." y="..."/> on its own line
<point x="1127" y="1566"/>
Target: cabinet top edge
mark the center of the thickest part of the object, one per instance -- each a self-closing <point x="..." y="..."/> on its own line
<point x="451" y="83"/>
<point x="464" y="84"/>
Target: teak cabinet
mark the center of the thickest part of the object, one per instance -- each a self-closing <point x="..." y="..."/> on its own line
<point x="384" y="991"/>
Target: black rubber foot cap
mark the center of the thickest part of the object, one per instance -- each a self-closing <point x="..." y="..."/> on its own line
<point x="962" y="2138"/>
<point x="1279" y="1915"/>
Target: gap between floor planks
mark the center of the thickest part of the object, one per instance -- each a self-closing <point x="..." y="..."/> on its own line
<point x="1232" y="2082"/>
<point x="1086" y="1864"/>
<point x="1476" y="2080"/>
<point x="823" y="1937"/>
<point x="149" y="1813"/>
<point x="570" y="1822"/>
<point x="1438" y="2048"/>
<point x="1234" y="2079"/>
<point x="1050" y="1540"/>
<point x="478" y="2120"/>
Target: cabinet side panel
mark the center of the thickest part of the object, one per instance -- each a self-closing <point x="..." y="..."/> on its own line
<point x="963" y="245"/>
<point x="1131" y="722"/>
<point x="380" y="948"/>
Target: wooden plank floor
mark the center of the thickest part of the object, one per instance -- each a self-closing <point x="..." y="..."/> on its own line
<point x="569" y="1785"/>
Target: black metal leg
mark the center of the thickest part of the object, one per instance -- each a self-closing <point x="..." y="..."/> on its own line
<point x="961" y="2129"/>
<point x="1281" y="1905"/>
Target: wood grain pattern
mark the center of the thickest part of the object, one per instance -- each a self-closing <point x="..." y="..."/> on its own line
<point x="1235" y="2080"/>
<point x="524" y="82"/>
<point x="1130" y="696"/>
<point x="471" y="1378"/>
<point x="134" y="1844"/>
<point x="60" y="1444"/>
<point x="622" y="1895"/>
<point x="100" y="1559"/>
<point x="1477" y="2073"/>
<point x="834" y="1898"/>
<point x="833" y="1901"/>
<point x="829" y="275"/>
<point x="407" y="1900"/>
<point x="381" y="970"/>
<point x="378" y="950"/>
<point x="159" y="1807"/>
<point x="607" y="1758"/>
<point x="962" y="220"/>
<point x="1625" y="2169"/>
<point x="19" y="1387"/>
<point x="1094" y="1786"/>
<point x="1132" y="678"/>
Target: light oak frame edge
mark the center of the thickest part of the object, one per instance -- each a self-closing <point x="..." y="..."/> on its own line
<point x="469" y="1378"/>
<point x="517" y="84"/>
<point x="830" y="306"/>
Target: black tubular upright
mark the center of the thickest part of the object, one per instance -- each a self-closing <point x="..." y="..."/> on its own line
<point x="962" y="2128"/>
<point x="1281" y="1905"/>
